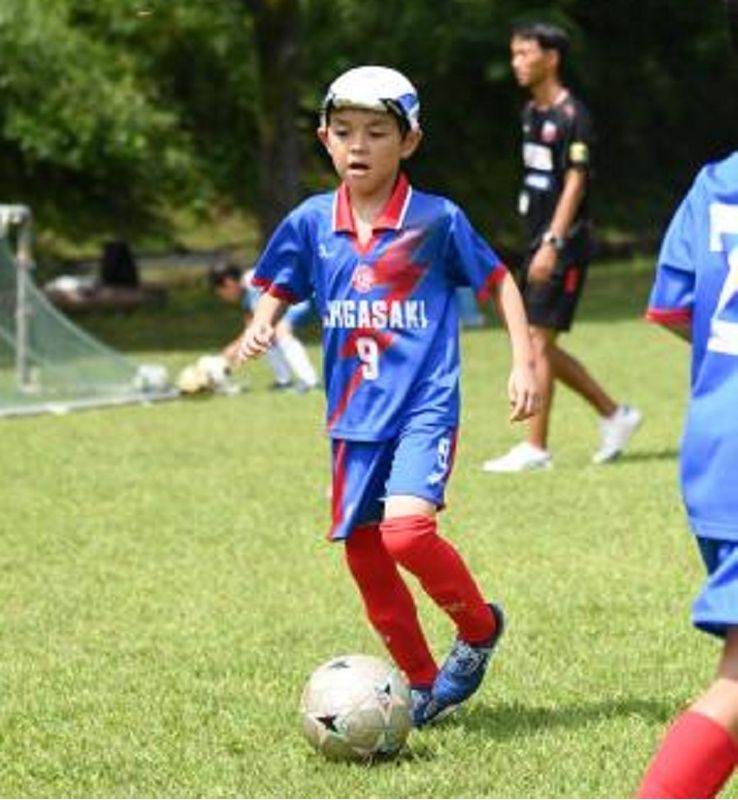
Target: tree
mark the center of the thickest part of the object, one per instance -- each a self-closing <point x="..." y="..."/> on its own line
<point x="81" y="127"/>
<point x="277" y="35"/>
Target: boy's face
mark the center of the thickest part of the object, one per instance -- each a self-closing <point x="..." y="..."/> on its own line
<point x="229" y="291"/>
<point x="531" y="63"/>
<point x="366" y="148"/>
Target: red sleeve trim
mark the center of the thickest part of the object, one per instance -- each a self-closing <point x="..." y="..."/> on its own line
<point x="282" y="294"/>
<point x="669" y="316"/>
<point x="275" y="291"/>
<point x="495" y="277"/>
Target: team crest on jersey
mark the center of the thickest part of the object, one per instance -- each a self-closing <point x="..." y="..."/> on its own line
<point x="549" y="131"/>
<point x="363" y="279"/>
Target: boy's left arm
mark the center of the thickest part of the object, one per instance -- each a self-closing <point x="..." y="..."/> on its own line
<point x="522" y="386"/>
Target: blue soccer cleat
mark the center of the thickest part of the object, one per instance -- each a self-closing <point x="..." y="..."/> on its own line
<point x="424" y="709"/>
<point x="463" y="670"/>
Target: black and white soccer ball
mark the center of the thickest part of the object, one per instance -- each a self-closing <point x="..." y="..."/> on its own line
<point x="356" y="708"/>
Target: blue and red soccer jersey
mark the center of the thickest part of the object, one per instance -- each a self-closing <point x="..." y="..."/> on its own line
<point x="697" y="282"/>
<point x="389" y="315"/>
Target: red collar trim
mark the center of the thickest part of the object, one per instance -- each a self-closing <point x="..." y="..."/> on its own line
<point x="391" y="217"/>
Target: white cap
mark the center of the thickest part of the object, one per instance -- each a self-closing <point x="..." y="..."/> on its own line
<point x="377" y="89"/>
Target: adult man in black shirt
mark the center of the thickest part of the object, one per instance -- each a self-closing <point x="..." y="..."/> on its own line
<point x="557" y="139"/>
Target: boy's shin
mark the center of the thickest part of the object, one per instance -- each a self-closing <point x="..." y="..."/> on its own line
<point x="389" y="605"/>
<point x="414" y="543"/>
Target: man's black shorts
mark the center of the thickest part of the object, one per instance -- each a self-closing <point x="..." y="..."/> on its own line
<point x="553" y="304"/>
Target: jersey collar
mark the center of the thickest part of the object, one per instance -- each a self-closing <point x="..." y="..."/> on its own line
<point x="392" y="216"/>
<point x="561" y="97"/>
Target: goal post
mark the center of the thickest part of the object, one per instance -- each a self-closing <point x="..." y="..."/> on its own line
<point x="47" y="362"/>
<point x="18" y="217"/>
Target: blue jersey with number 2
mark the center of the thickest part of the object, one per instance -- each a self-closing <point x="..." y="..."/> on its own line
<point x="388" y="307"/>
<point x="697" y="280"/>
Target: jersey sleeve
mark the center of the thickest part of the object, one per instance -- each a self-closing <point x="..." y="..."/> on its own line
<point x="472" y="262"/>
<point x="672" y="294"/>
<point x="283" y="269"/>
<point x="577" y="152"/>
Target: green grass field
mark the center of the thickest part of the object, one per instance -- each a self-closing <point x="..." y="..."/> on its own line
<point x="166" y="587"/>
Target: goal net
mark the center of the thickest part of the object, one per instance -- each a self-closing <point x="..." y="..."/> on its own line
<point x="47" y="363"/>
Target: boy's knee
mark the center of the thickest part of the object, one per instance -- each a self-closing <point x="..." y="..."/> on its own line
<point x="404" y="536"/>
<point x="728" y="667"/>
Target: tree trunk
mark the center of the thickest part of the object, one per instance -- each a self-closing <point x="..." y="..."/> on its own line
<point x="277" y="33"/>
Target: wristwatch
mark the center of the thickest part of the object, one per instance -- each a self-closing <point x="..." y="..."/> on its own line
<point x="549" y="237"/>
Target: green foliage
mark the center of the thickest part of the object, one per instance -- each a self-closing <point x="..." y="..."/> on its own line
<point x="167" y="590"/>
<point x="115" y="112"/>
<point x="123" y="109"/>
<point x="661" y="81"/>
<point x="79" y="114"/>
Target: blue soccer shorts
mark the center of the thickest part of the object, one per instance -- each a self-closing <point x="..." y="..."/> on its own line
<point x="418" y="462"/>
<point x="716" y="606"/>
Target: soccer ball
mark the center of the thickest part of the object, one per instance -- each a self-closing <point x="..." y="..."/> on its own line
<point x="151" y="378"/>
<point x="216" y="370"/>
<point x="192" y="380"/>
<point x="356" y="708"/>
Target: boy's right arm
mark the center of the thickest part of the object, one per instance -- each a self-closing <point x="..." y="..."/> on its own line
<point x="259" y="334"/>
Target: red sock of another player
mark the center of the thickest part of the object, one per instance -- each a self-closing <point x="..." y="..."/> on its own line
<point x="413" y="541"/>
<point x="389" y="604"/>
<point x="695" y="759"/>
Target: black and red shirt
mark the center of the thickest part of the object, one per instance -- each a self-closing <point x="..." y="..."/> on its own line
<point x="555" y="139"/>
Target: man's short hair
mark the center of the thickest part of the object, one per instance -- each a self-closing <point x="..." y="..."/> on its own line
<point x="222" y="271"/>
<point x="549" y="37"/>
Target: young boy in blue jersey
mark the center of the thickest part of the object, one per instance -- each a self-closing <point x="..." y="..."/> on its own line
<point x="695" y="295"/>
<point x="383" y="261"/>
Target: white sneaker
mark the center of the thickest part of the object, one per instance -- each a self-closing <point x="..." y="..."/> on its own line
<point x="521" y="458"/>
<point x="616" y="431"/>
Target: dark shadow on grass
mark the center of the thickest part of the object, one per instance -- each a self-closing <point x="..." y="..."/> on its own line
<point x="414" y="750"/>
<point x="668" y="454"/>
<point x="513" y="720"/>
<point x="517" y="720"/>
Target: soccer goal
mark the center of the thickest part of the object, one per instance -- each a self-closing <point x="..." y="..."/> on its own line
<point x="47" y="363"/>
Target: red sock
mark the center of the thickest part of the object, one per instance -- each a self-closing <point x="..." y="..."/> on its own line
<point x="695" y="759"/>
<point x="413" y="542"/>
<point x="389" y="604"/>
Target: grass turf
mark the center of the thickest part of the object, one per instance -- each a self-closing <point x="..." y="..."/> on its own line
<point x="166" y="589"/>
